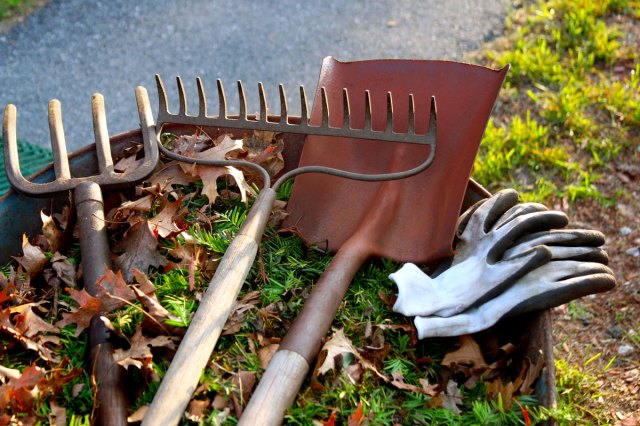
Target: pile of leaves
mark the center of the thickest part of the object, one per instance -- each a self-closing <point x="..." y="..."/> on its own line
<point x="167" y="237"/>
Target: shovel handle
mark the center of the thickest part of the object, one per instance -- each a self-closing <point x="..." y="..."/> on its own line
<point x="290" y="364"/>
<point x="196" y="347"/>
<point x="111" y="400"/>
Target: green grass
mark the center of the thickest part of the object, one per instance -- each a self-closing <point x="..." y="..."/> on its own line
<point x="13" y="8"/>
<point x="569" y="113"/>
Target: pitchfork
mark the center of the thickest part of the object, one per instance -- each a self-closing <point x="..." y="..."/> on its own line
<point x="94" y="246"/>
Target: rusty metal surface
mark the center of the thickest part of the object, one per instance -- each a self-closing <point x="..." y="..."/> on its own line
<point x="329" y="209"/>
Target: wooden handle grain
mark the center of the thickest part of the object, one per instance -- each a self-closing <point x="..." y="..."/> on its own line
<point x="282" y="380"/>
<point x="198" y="343"/>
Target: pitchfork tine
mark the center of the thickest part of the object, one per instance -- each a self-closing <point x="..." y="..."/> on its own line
<point x="243" y="102"/>
<point x="222" y="100"/>
<point x="103" y="148"/>
<point x="58" y="144"/>
<point x="11" y="158"/>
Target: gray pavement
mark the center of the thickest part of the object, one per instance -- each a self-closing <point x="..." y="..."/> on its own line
<point x="70" y="49"/>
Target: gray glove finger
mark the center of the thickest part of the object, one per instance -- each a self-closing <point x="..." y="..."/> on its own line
<point x="495" y="279"/>
<point x="565" y="291"/>
<point x="522" y="225"/>
<point x="565" y="237"/>
<point x="485" y="215"/>
<point x="464" y="218"/>
<point x="582" y="254"/>
<point x="506" y="272"/>
<point x="519" y="210"/>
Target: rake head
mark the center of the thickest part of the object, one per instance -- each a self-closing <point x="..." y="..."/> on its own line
<point x="107" y="177"/>
<point x="305" y="126"/>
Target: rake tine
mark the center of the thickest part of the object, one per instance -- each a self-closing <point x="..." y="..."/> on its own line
<point x="182" y="98"/>
<point x="304" y="112"/>
<point x="389" y="128"/>
<point x="243" y="102"/>
<point x="284" y="110"/>
<point x="162" y="96"/>
<point x="103" y="147"/>
<point x="412" y="115"/>
<point x="202" y="99"/>
<point x="222" y="101"/>
<point x="324" y="107"/>
<point x="346" y="110"/>
<point x="367" y="111"/>
<point x="58" y="144"/>
<point x="264" y="110"/>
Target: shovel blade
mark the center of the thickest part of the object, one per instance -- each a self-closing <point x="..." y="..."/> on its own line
<point x="418" y="222"/>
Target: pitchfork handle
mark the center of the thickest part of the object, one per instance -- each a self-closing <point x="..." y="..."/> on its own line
<point x="202" y="335"/>
<point x="94" y="250"/>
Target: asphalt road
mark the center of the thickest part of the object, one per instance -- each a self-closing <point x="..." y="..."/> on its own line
<point x="70" y="49"/>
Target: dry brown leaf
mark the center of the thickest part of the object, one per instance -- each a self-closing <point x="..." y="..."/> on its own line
<point x="452" y="397"/>
<point x="506" y="392"/>
<point x="424" y="388"/>
<point x="33" y="259"/>
<point x="159" y="315"/>
<point x="196" y="410"/>
<point x="245" y="381"/>
<point x="142" y="204"/>
<point x="58" y="414"/>
<point x="50" y="230"/>
<point x="140" y="251"/>
<point x="467" y="359"/>
<point x="164" y="222"/>
<point x="265" y="354"/>
<point x="36" y="342"/>
<point x="338" y="344"/>
<point x="357" y="417"/>
<point x="138" y="415"/>
<point x="139" y="354"/>
<point x="19" y="394"/>
<point x="113" y="293"/>
<point x="236" y="319"/>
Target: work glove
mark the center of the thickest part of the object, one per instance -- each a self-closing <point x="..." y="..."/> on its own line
<point x="574" y="271"/>
<point x="479" y="270"/>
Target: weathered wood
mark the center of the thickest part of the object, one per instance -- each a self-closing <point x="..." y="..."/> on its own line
<point x="198" y="343"/>
<point x="277" y="391"/>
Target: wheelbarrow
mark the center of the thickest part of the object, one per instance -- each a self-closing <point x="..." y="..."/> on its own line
<point x="536" y="328"/>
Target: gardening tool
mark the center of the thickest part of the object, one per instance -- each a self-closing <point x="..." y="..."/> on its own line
<point x="413" y="218"/>
<point x="94" y="247"/>
<point x="206" y="326"/>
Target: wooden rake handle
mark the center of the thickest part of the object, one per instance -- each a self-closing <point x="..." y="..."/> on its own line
<point x="202" y="335"/>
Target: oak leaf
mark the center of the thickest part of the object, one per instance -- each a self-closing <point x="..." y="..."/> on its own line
<point x="140" y="251"/>
<point x="163" y="223"/>
<point x="26" y="322"/>
<point x="50" y="230"/>
<point x="112" y="293"/>
<point x="139" y="354"/>
<point x="33" y="259"/>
